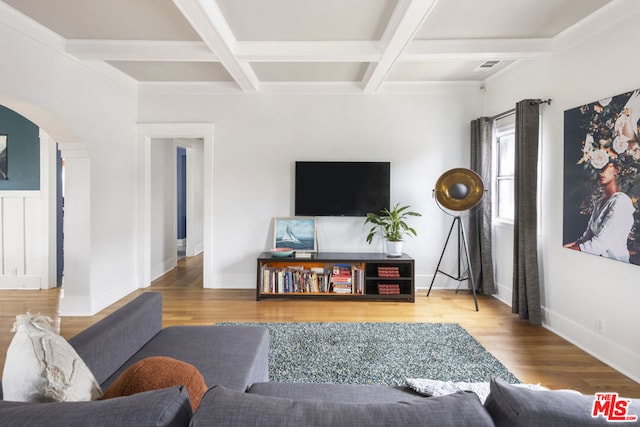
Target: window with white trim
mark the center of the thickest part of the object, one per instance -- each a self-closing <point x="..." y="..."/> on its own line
<point x="505" y="136"/>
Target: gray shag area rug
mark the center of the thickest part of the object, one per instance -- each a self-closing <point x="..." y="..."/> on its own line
<point x="377" y="353"/>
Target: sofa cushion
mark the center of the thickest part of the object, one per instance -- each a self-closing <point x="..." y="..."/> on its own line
<point x="352" y="393"/>
<point x="159" y="372"/>
<point x="221" y="406"/>
<point x="168" y="407"/>
<point x="41" y="366"/>
<point x="517" y="406"/>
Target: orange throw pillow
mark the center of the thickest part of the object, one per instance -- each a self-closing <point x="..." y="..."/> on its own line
<point x="159" y="372"/>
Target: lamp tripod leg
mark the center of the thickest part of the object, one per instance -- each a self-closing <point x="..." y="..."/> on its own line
<point x="466" y="252"/>
<point x="442" y="255"/>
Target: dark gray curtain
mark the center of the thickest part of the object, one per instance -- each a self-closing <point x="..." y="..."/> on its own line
<point x="526" y="283"/>
<point x="480" y="218"/>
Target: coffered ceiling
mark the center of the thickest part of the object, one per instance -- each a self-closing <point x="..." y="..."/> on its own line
<point x="283" y="45"/>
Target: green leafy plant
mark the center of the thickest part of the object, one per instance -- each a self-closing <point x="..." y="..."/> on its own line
<point x="391" y="224"/>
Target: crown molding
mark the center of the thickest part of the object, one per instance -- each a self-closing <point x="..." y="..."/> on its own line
<point x="26" y="26"/>
<point x="29" y="28"/>
<point x="306" y="88"/>
<point x="601" y="20"/>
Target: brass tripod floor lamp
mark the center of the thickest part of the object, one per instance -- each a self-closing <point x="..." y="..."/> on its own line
<point x="457" y="191"/>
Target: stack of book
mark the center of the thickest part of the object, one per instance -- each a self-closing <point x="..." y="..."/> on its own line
<point x="341" y="282"/>
<point x="384" y="271"/>
<point x="388" y="289"/>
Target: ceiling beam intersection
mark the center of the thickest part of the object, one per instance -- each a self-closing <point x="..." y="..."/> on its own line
<point x="406" y="20"/>
<point x="207" y="20"/>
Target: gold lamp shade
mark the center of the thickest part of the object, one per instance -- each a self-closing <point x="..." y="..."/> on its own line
<point x="459" y="189"/>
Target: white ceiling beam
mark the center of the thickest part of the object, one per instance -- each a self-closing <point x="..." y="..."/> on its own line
<point x="315" y="51"/>
<point x="140" y="50"/>
<point x="406" y="20"/>
<point x="207" y="20"/>
<point x="476" y="49"/>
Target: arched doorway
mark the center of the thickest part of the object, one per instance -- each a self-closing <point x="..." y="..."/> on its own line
<point x="40" y="218"/>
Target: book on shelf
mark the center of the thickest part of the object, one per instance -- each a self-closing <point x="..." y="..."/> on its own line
<point x="388" y="289"/>
<point x="388" y="271"/>
<point x="341" y="279"/>
<point x="337" y="278"/>
<point x="347" y="279"/>
<point x="294" y="279"/>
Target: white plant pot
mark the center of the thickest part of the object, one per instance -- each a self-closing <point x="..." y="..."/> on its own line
<point x="394" y="248"/>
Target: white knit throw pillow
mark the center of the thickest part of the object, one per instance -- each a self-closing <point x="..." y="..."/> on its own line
<point x="41" y="366"/>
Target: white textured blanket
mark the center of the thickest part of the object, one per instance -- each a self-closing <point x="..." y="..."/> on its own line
<point x="439" y="388"/>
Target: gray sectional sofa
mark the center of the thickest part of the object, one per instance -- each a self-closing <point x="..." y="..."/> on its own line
<point x="233" y="361"/>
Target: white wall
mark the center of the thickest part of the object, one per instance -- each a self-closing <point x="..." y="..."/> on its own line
<point x="93" y="117"/>
<point x="259" y="137"/>
<point x="580" y="289"/>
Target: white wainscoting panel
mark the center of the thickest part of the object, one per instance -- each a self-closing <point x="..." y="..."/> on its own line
<point x="21" y="235"/>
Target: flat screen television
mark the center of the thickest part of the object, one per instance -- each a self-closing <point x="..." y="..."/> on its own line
<point x="341" y="188"/>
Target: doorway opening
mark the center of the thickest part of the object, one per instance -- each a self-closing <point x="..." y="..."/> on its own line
<point x="176" y="201"/>
<point x="181" y="208"/>
<point x="197" y="138"/>
<point x="59" y="217"/>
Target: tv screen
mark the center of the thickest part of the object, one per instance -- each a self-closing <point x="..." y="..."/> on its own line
<point x="341" y="188"/>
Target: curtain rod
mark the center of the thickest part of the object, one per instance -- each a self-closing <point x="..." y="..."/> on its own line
<point x="513" y="110"/>
<point x="541" y="101"/>
<point x="503" y="114"/>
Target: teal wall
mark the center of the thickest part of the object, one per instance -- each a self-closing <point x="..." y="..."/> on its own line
<point x="23" y="151"/>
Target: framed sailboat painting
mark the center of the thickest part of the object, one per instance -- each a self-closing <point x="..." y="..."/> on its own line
<point x="297" y="233"/>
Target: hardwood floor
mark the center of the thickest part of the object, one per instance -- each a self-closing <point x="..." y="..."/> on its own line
<point x="533" y="354"/>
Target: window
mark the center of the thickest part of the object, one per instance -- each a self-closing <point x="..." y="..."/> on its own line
<point x="504" y="169"/>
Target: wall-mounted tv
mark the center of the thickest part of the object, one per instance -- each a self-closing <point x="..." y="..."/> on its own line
<point x="341" y="188"/>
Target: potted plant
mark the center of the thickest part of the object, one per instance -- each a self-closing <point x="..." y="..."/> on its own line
<point x="392" y="227"/>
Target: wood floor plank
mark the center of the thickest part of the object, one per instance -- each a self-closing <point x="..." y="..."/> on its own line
<point x="533" y="354"/>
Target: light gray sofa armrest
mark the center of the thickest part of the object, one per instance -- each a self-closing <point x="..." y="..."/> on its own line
<point x="108" y="344"/>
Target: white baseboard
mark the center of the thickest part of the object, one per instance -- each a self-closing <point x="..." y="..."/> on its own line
<point x="233" y="281"/>
<point x="20" y="282"/>
<point x="504" y="294"/>
<point x="423" y="281"/>
<point x="164" y="267"/>
<point x="91" y="304"/>
<point x="599" y="346"/>
<point x="197" y="249"/>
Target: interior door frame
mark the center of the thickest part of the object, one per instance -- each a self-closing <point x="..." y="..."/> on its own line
<point x="146" y="133"/>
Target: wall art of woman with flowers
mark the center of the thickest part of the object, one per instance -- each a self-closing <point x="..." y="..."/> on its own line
<point x="602" y="179"/>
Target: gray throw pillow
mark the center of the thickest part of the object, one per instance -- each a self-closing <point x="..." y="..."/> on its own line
<point x="512" y="406"/>
<point x="168" y="407"/>
<point x="224" y="407"/>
